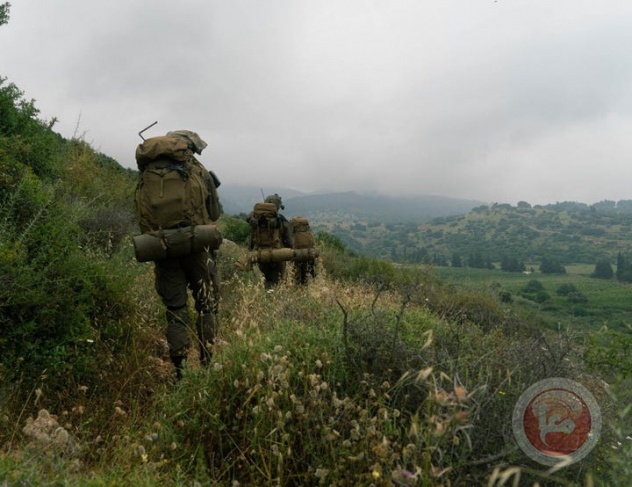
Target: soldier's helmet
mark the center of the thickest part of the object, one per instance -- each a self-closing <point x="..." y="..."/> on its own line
<point x="276" y="199"/>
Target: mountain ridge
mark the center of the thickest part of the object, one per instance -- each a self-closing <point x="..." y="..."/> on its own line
<point x="325" y="205"/>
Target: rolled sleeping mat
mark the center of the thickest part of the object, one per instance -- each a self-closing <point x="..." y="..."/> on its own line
<point x="271" y="255"/>
<point x="301" y="255"/>
<point x="176" y="242"/>
<point x="283" y="255"/>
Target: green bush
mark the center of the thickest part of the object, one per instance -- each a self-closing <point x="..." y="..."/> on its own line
<point x="566" y="289"/>
<point x="235" y="229"/>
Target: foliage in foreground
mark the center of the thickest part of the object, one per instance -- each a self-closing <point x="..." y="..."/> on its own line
<point x="333" y="384"/>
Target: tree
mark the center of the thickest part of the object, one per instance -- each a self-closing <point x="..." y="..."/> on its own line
<point x="512" y="264"/>
<point x="456" y="260"/>
<point x="4" y="13"/>
<point x="603" y="269"/>
<point x="551" y="265"/>
<point x="624" y="268"/>
<point x="566" y="289"/>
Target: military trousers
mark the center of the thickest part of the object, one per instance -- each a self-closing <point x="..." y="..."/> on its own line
<point x="174" y="278"/>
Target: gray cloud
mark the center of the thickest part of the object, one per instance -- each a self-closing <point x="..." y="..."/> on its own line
<point x="494" y="100"/>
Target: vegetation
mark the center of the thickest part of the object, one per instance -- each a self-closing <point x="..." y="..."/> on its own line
<point x="373" y="374"/>
<point x="553" y="235"/>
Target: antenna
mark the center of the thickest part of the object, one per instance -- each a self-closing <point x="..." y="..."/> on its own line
<point x="140" y="134"/>
<point x="263" y="196"/>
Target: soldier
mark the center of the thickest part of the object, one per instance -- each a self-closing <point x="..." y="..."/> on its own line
<point x="196" y="272"/>
<point x="270" y="231"/>
<point x="303" y="240"/>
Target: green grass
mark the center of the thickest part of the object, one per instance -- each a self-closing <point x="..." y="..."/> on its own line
<point x="608" y="305"/>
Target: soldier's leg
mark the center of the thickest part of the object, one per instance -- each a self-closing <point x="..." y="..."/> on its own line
<point x="178" y="337"/>
<point x="171" y="285"/>
<point x="272" y="272"/>
<point x="202" y="277"/>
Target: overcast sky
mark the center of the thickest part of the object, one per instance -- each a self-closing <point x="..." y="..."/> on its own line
<point x="498" y="101"/>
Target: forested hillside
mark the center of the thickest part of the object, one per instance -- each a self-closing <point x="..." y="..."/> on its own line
<point x="566" y="232"/>
<point x="372" y="374"/>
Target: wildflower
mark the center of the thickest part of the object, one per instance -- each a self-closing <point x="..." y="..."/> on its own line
<point x="278" y="349"/>
<point x="437" y="472"/>
<point x="461" y="416"/>
<point x="319" y="364"/>
<point x="461" y="393"/>
<point x="118" y="412"/>
<point x="321" y="473"/>
<point x="375" y="474"/>
<point x="83" y="389"/>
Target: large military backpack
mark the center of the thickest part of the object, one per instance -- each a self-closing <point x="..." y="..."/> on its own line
<point x="265" y="227"/>
<point x="172" y="191"/>
<point x="303" y="236"/>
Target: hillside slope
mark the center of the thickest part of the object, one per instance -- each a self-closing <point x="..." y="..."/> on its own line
<point x="569" y="234"/>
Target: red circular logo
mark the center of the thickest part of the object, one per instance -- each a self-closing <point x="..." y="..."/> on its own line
<point x="556" y="420"/>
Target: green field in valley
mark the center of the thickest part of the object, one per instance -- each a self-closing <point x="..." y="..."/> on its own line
<point x="605" y="303"/>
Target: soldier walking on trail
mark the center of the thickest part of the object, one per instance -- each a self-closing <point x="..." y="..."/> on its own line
<point x="270" y="230"/>
<point x="303" y="239"/>
<point x="174" y="183"/>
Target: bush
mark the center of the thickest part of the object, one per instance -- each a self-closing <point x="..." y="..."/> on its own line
<point x="576" y="298"/>
<point x="234" y="229"/>
<point x="566" y="289"/>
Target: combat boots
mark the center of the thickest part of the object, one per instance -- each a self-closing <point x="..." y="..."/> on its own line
<point x="178" y="359"/>
<point x="178" y="337"/>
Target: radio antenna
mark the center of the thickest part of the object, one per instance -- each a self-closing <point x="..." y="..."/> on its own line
<point x="140" y="134"/>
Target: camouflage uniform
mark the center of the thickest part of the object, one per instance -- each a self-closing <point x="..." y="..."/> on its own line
<point x="304" y="269"/>
<point x="273" y="272"/>
<point x="196" y="272"/>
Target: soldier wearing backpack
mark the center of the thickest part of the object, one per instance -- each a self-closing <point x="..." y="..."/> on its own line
<point x="270" y="230"/>
<point x="303" y="240"/>
<point x="175" y="196"/>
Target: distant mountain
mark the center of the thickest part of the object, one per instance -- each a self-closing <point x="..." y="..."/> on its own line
<point x="237" y="198"/>
<point x="348" y="205"/>
<point x="377" y="208"/>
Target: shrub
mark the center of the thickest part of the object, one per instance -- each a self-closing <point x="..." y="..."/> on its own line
<point x="235" y="229"/>
<point x="566" y="289"/>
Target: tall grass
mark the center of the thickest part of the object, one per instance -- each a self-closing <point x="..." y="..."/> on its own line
<point x="334" y="384"/>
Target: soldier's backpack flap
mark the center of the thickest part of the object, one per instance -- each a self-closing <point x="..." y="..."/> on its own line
<point x="164" y="147"/>
<point x="266" y="210"/>
<point x="265" y="226"/>
<point x="303" y="236"/>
